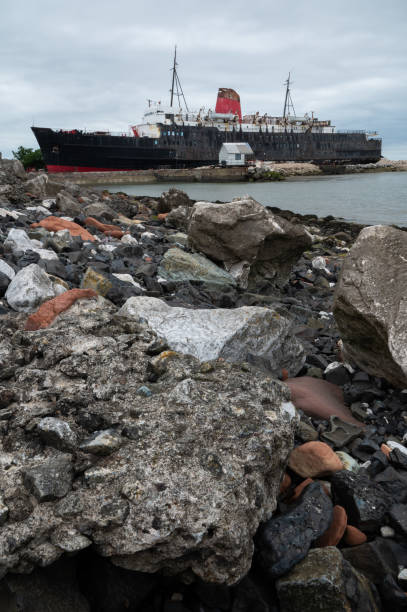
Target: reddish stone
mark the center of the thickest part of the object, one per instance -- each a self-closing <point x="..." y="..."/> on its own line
<point x="114" y="233"/>
<point x="51" y="309"/>
<point x="336" y="529"/>
<point x="386" y="450"/>
<point x="161" y="216"/>
<point x="54" y="224"/>
<point x="284" y="374"/>
<point x="285" y="484"/>
<point x="319" y="398"/>
<point x="314" y="459"/>
<point x="103" y="227"/>
<point x="299" y="489"/>
<point x="353" y="536"/>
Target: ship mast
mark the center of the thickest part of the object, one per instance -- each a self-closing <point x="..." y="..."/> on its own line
<point x="288" y="103"/>
<point x="176" y="87"/>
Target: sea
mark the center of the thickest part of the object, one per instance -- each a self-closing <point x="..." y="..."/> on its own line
<point x="370" y="198"/>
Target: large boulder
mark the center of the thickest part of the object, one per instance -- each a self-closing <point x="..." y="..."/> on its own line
<point x="173" y="475"/>
<point x="43" y="186"/>
<point x="17" y="241"/>
<point x="171" y="199"/>
<point x="29" y="288"/>
<point x="370" y="306"/>
<point x="255" y="334"/>
<point x="244" y="230"/>
<point x="178" y="265"/>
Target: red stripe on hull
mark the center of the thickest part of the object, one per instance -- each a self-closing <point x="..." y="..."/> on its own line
<point x="52" y="168"/>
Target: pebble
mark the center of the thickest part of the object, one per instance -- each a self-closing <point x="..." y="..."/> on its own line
<point x="348" y="462"/>
<point x="354" y="536"/>
<point x="102" y="442"/>
<point x="314" y="459"/>
<point x="387" y="532"/>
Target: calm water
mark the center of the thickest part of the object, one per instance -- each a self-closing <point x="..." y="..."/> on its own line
<point x="365" y="198"/>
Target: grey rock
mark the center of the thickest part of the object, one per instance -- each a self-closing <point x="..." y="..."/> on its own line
<point x="100" y="211"/>
<point x="370" y="303"/>
<point x="43" y="186"/>
<point x="398" y="518"/>
<point x="57" y="433"/>
<point x="179" y="218"/>
<point x="164" y="500"/>
<point x="366" y="502"/>
<point x="3" y="512"/>
<point x="6" y="269"/>
<point x="29" y="288"/>
<point x="49" y="480"/>
<point x="244" y="230"/>
<point x="178" y="238"/>
<point x="102" y="442"/>
<point x="61" y="240"/>
<point x="284" y="540"/>
<point x="255" y="334"/>
<point x="173" y="198"/>
<point x="177" y="265"/>
<point x="374" y="559"/>
<point x="67" y="204"/>
<point x="341" y="433"/>
<point x="325" y="581"/>
<point x="18" y="241"/>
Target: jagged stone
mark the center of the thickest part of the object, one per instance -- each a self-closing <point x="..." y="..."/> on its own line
<point x="67" y="204"/>
<point x="162" y="499"/>
<point x="284" y="540"/>
<point x="370" y="306"/>
<point x="255" y="334"/>
<point x="173" y="198"/>
<point x="30" y="287"/>
<point x="325" y="581"/>
<point x="177" y="265"/>
<point x="57" y="433"/>
<point x="245" y="231"/>
<point x="18" y="241"/>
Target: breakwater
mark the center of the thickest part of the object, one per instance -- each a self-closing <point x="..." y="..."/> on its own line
<point x="212" y="174"/>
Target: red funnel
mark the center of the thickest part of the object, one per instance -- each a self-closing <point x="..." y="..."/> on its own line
<point x="228" y="101"/>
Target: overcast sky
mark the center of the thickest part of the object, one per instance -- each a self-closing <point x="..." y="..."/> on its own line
<point x="94" y="63"/>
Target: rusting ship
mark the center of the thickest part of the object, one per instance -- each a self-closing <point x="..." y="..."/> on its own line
<point x="172" y="136"/>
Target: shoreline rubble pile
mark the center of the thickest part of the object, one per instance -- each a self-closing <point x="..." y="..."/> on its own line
<point x="203" y="406"/>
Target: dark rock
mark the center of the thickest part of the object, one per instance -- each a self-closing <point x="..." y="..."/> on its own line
<point x="51" y="479"/>
<point x="366" y="502"/>
<point x="395" y="483"/>
<point x="324" y="580"/>
<point x="4" y="283"/>
<point x="247" y="597"/>
<point x="286" y="539"/>
<point x="171" y="199"/>
<point x="398" y="459"/>
<point x="55" y="267"/>
<point x="57" y="433"/>
<point x="337" y="373"/>
<point x="398" y="517"/>
<point x="375" y="559"/>
<point x="213" y="595"/>
<point x="341" y="432"/>
<point x="102" y="442"/>
<point x="393" y="597"/>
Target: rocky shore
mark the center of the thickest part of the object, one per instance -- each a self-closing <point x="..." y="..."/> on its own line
<point x="203" y="406"/>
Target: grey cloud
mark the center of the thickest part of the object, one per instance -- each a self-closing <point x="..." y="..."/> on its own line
<point x="94" y="63"/>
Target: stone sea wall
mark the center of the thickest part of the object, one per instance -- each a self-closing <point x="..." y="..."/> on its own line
<point x="203" y="406"/>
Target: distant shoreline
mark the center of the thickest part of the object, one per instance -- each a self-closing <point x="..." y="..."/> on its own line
<point x="213" y="174"/>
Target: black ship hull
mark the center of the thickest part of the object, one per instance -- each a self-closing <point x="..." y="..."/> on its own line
<point x="191" y="146"/>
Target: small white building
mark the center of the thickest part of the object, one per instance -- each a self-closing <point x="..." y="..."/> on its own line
<point x="234" y="153"/>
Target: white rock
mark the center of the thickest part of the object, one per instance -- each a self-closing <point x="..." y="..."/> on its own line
<point x="387" y="532"/>
<point x="6" y="269"/>
<point x="147" y="235"/>
<point x="48" y="202"/>
<point x="29" y="288"/>
<point x="129" y="239"/>
<point x="127" y="278"/>
<point x="109" y="248"/>
<point x="17" y="240"/>
<point x="9" y="213"/>
<point x="349" y="463"/>
<point x="39" y="209"/>
<point x="254" y="334"/>
<point x="319" y="263"/>
<point x="392" y="444"/>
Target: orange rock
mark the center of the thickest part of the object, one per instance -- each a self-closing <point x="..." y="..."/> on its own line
<point x="299" y="489"/>
<point x="319" y="398"/>
<point x="284" y="374"/>
<point x="353" y="536"/>
<point x="103" y="227"/>
<point x="161" y="216"/>
<point x="285" y="484"/>
<point x="51" y="309"/>
<point x="314" y="459"/>
<point x="114" y="233"/>
<point x="386" y="450"/>
<point x="54" y="224"/>
<point x="336" y="529"/>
